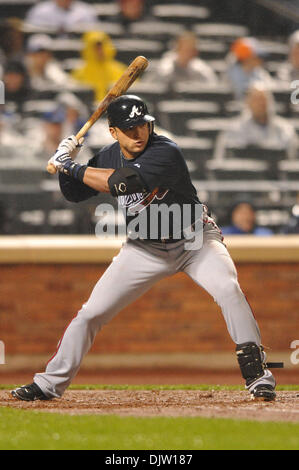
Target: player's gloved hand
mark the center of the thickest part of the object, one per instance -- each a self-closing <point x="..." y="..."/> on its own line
<point x="67" y="149"/>
<point x="64" y="155"/>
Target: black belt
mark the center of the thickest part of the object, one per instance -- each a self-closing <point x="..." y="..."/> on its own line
<point x="161" y="240"/>
<point x="165" y="240"/>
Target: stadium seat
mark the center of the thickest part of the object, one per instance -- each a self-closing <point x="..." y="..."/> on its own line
<point x="174" y="114"/>
<point x="184" y="14"/>
<point x="294" y="108"/>
<point x="219" y="66"/>
<point x="151" y="92"/>
<point x="46" y="97"/>
<point x="272" y="217"/>
<point x="37" y="108"/>
<point x="282" y="96"/>
<point x="289" y="169"/>
<point x="15" y="8"/>
<point x="106" y="10"/>
<point x="21" y="178"/>
<point x="253" y="152"/>
<point x="128" y="49"/>
<point x="238" y="169"/>
<point x="274" y="66"/>
<point x="211" y="49"/>
<point x="66" y="48"/>
<point x="270" y="156"/>
<point x="156" y="30"/>
<point x="219" y="94"/>
<point x="275" y="50"/>
<point x="115" y="30"/>
<point x="265" y="194"/>
<point x="196" y="152"/>
<point x="220" y="31"/>
<point x="70" y="64"/>
<point x="208" y="128"/>
<point x="18" y="198"/>
<point x="76" y="31"/>
<point x="295" y="122"/>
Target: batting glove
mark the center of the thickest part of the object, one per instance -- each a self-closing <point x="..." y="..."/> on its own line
<point x="71" y="145"/>
<point x="68" y="148"/>
<point x="64" y="155"/>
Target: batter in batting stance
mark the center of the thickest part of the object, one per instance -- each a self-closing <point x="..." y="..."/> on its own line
<point x="143" y="170"/>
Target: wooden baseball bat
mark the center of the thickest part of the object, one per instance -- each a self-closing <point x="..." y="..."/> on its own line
<point x="133" y="71"/>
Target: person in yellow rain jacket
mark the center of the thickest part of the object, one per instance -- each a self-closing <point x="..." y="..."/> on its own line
<point x="100" y="69"/>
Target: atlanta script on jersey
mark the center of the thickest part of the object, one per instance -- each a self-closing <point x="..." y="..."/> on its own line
<point x="161" y="166"/>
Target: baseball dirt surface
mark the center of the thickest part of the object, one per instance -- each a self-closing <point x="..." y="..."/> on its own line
<point x="149" y="403"/>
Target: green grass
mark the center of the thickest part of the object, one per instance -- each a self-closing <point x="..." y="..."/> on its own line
<point x="33" y="430"/>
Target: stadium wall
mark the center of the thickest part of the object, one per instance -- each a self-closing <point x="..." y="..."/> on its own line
<point x="43" y="285"/>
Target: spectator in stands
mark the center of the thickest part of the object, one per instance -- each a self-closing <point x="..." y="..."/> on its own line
<point x="51" y="133"/>
<point x="11" y="40"/>
<point x="15" y="148"/>
<point x="17" y="85"/>
<point x="53" y="123"/>
<point x="293" y="226"/>
<point x="243" y="220"/>
<point x="100" y="69"/>
<point x="76" y="113"/>
<point x="183" y="63"/>
<point x="290" y="70"/>
<point x="9" y="137"/>
<point x="245" y="66"/>
<point x="61" y="15"/>
<point x="43" y="70"/>
<point x="131" y="11"/>
<point x="259" y="125"/>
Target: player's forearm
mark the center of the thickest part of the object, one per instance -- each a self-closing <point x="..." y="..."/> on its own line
<point x="97" y="178"/>
<point x="74" y="190"/>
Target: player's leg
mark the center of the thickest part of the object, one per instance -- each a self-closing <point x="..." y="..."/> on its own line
<point x="130" y="275"/>
<point x="212" y="268"/>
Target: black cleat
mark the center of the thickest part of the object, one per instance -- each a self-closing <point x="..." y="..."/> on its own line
<point x="30" y="392"/>
<point x="263" y="392"/>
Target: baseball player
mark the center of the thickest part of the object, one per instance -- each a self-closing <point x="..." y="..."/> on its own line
<point x="145" y="171"/>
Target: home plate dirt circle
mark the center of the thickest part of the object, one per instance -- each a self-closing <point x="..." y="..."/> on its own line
<point x="149" y="403"/>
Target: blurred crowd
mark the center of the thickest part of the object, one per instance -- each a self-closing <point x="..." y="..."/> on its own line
<point x="32" y="122"/>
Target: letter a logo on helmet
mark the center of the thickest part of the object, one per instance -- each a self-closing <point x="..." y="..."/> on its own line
<point x="135" y="111"/>
<point x="128" y="111"/>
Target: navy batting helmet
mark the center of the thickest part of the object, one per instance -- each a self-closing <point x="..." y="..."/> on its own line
<point x="128" y="111"/>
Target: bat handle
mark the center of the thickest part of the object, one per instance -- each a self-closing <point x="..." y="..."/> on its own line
<point x="51" y="169"/>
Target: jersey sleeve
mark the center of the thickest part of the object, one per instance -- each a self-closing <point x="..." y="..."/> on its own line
<point x="161" y="167"/>
<point x="74" y="190"/>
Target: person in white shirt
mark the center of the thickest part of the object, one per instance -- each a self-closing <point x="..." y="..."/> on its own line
<point x="183" y="63"/>
<point x="61" y="15"/>
<point x="259" y="125"/>
<point x="43" y="70"/>
<point x="49" y="131"/>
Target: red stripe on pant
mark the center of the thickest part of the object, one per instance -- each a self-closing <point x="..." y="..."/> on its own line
<point x="60" y="341"/>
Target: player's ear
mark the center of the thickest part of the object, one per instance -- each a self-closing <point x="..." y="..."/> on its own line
<point x="151" y="128"/>
<point x="113" y="132"/>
